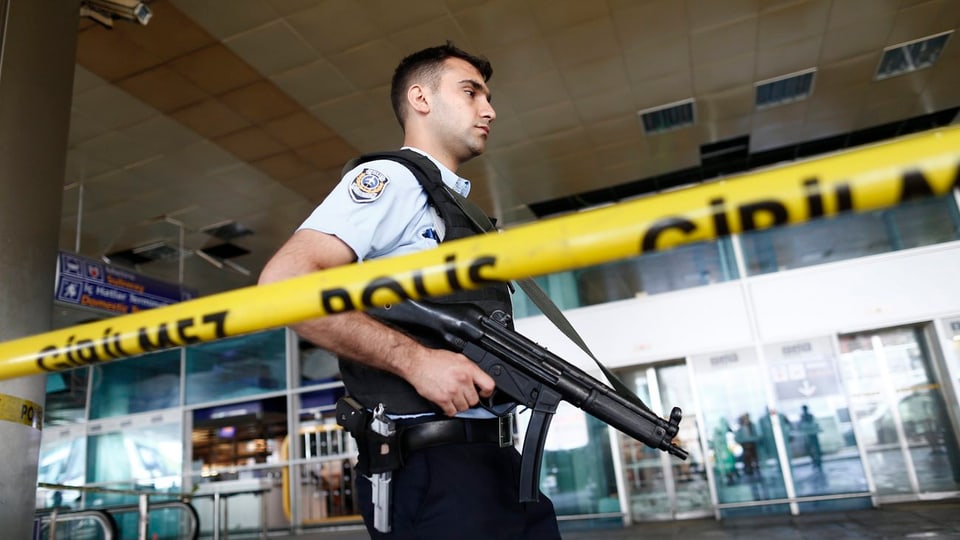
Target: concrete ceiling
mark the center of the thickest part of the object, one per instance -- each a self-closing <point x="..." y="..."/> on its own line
<point x="243" y="111"/>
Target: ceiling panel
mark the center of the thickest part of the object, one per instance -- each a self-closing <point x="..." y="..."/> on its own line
<point x="271" y="48"/>
<point x="224" y="21"/>
<point x="498" y="23"/>
<point x="314" y="83"/>
<point x="718" y="43"/>
<point x="214" y="69"/>
<point x="790" y="23"/>
<point x="248" y="109"/>
<point x="788" y="58"/>
<point x="591" y="40"/>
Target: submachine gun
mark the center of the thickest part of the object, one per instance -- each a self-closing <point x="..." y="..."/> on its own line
<point x="532" y="376"/>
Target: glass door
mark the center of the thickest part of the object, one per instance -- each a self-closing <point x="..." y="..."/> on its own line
<point x="814" y="417"/>
<point x="899" y="412"/>
<point x="660" y="486"/>
<point x="742" y="433"/>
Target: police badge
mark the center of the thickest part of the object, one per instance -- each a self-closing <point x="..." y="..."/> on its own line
<point x="368" y="186"/>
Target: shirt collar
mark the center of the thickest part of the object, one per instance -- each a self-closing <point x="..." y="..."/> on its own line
<point x="450" y="178"/>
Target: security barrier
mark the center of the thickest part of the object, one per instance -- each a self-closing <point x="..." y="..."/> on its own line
<point x="873" y="177"/>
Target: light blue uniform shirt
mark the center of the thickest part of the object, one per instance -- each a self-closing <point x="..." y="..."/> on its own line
<point x="380" y="210"/>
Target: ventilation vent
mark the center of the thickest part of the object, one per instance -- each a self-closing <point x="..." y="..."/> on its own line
<point x="227" y="230"/>
<point x="667" y="117"/>
<point x="225" y="250"/>
<point x="911" y="56"/>
<point x="155" y="251"/>
<point x="786" y="89"/>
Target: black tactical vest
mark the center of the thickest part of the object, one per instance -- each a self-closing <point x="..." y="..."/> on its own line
<point x="371" y="386"/>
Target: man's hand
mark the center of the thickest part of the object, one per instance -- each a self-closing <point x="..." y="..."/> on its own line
<point x="448" y="379"/>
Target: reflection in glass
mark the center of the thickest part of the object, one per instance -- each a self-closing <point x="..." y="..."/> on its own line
<point x="742" y="448"/>
<point x="327" y="484"/>
<point x="952" y="330"/>
<point x="900" y="412"/>
<point x="679" y="268"/>
<point x="237" y="435"/>
<point x="249" y="500"/>
<point x="62" y="461"/>
<point x="577" y="470"/>
<point x="916" y="223"/>
<point x="660" y="486"/>
<point x="66" y="400"/>
<point x="682" y="267"/>
<point x="815" y="418"/>
<point x="139" y="384"/>
<point x="236" y="367"/>
<point x="144" y="457"/>
<point x="317" y="366"/>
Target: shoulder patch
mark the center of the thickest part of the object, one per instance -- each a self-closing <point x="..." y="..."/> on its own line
<point x="368" y="186"/>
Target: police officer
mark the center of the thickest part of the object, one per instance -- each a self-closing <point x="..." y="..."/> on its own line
<point x="458" y="480"/>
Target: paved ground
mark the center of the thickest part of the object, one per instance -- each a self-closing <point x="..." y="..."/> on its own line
<point x="938" y="520"/>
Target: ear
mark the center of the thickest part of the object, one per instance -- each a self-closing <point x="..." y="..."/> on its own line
<point x="417" y="99"/>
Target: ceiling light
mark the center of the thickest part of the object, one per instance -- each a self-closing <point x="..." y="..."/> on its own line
<point x="911" y="56"/>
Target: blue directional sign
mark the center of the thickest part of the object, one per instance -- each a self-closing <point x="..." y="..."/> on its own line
<point x="94" y="284"/>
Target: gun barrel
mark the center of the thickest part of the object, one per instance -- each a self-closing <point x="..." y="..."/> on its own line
<point x="584" y="391"/>
<point x="470" y="328"/>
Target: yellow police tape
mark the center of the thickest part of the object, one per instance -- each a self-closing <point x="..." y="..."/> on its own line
<point x="873" y="177"/>
<point x="21" y="411"/>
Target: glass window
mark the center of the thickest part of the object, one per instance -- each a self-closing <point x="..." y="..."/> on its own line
<point x="847" y="236"/>
<point x="821" y="443"/>
<point x="577" y="471"/>
<point x="740" y="430"/>
<point x="238" y="434"/>
<point x="560" y="287"/>
<point x="326" y="482"/>
<point x="675" y="269"/>
<point x="141" y="454"/>
<point x="236" y="367"/>
<point x="317" y="366"/>
<point x="900" y="412"/>
<point x="660" y="486"/>
<point x="135" y="385"/>
<point x="952" y="329"/>
<point x="62" y="460"/>
<point x="66" y="397"/>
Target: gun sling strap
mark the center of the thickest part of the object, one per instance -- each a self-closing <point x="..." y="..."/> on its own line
<point x="421" y="167"/>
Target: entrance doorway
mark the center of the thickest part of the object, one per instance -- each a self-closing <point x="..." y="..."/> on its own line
<point x="659" y="486"/>
<point x="899" y="412"/>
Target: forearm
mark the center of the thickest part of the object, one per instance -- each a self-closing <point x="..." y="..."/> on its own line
<point x="446" y="378"/>
<point x="363" y="339"/>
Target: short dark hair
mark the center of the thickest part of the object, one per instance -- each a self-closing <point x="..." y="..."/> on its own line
<point x="426" y="64"/>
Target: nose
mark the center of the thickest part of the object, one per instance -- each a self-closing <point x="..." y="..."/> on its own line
<point x="488" y="112"/>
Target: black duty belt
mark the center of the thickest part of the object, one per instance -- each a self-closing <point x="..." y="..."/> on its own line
<point x="456" y="431"/>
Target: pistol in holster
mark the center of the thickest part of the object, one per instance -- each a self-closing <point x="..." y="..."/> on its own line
<point x="379" y="449"/>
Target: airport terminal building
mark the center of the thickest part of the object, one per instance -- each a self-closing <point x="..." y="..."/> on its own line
<point x="154" y="156"/>
<point x="817" y="367"/>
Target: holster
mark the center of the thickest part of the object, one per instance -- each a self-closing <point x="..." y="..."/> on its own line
<point x="376" y="453"/>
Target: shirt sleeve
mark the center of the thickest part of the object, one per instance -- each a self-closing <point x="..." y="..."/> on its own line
<point x="371" y="209"/>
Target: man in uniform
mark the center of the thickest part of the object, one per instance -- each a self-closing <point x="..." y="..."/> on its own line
<point x="459" y="480"/>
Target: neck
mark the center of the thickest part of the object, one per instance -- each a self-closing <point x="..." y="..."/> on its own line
<point x="436" y="151"/>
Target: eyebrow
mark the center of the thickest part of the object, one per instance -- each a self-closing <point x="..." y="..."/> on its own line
<point x="479" y="87"/>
